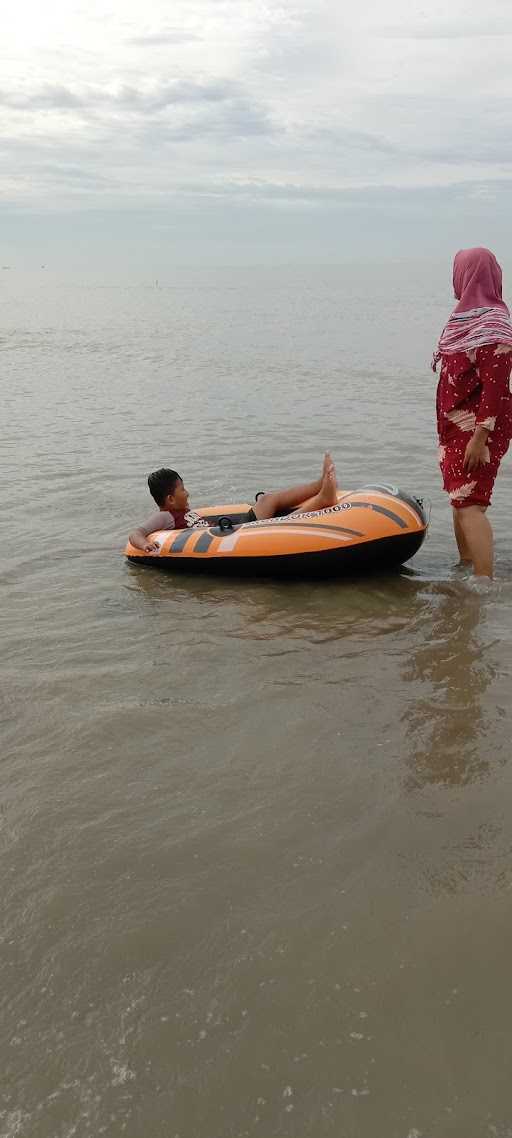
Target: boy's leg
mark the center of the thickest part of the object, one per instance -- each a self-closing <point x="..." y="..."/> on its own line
<point x="312" y="496"/>
<point x="326" y="496"/>
<point x="279" y="501"/>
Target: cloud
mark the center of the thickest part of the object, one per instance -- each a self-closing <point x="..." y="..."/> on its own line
<point x="144" y="101"/>
<point x="183" y="110"/>
<point x="159" y="98"/>
<point x="346" y="140"/>
<point x="393" y="197"/>
<point x="234" y="120"/>
<point x="163" y="38"/>
<point x="448" y="31"/>
<point x="300" y="99"/>
<point x="48" y="97"/>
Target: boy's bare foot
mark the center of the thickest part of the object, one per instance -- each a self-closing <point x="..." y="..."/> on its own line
<point x="328" y="494"/>
<point x="326" y="464"/>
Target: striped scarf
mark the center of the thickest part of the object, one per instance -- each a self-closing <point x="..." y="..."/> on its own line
<point x="472" y="329"/>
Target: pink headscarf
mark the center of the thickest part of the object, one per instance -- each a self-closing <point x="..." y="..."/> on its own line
<point x="477" y="280"/>
<point x="481" y="315"/>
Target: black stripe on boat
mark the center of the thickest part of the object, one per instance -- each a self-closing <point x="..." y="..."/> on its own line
<point x="204" y="542"/>
<point x="180" y="542"/>
<point x="416" y="504"/>
<point x="306" y="524"/>
<point x="380" y="510"/>
<point x="268" y="525"/>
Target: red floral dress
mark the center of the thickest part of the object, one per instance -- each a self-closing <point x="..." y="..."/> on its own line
<point x="473" y="391"/>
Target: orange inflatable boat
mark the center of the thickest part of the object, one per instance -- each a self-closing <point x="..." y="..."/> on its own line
<point x="373" y="528"/>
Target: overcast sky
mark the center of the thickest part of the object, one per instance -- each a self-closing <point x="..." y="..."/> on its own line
<point x="223" y="130"/>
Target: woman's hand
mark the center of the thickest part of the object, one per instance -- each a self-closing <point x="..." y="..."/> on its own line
<point x="477" y="451"/>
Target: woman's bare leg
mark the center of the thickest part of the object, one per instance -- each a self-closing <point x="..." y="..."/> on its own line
<point x="278" y="501"/>
<point x="477" y="538"/>
<point x="462" y="545"/>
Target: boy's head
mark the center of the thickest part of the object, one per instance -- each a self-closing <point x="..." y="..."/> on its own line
<point x="166" y="487"/>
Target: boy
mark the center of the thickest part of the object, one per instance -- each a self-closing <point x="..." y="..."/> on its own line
<point x="171" y="496"/>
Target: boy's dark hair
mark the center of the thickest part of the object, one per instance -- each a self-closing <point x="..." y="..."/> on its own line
<point x="161" y="483"/>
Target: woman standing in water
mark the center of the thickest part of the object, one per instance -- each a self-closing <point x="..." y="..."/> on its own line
<point x="474" y="405"/>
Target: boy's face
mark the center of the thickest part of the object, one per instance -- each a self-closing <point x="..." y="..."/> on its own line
<point x="178" y="500"/>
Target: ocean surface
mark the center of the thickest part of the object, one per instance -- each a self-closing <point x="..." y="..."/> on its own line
<point x="256" y="844"/>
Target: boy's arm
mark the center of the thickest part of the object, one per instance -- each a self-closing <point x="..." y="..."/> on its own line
<point x="139" y="541"/>
<point x="139" y="537"/>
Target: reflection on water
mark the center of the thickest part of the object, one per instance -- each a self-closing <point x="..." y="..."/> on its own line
<point x="374" y="604"/>
<point x="445" y="723"/>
